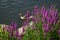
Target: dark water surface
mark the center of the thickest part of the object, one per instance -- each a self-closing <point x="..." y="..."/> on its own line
<point x="9" y="9"/>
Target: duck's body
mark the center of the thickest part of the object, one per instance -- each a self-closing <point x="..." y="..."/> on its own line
<point x="24" y="17"/>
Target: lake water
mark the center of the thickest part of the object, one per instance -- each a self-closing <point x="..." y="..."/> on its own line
<point x="9" y="9"/>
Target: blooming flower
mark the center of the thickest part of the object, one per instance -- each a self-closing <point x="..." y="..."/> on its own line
<point x="58" y="32"/>
<point x="45" y="27"/>
<point x="27" y="14"/>
<point x="14" y="26"/>
<point x="17" y="33"/>
<point x="35" y="10"/>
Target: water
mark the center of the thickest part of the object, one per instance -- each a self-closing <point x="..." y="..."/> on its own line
<point x="9" y="9"/>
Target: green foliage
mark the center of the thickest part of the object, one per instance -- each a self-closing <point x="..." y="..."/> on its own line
<point x="54" y="35"/>
<point x="4" y="35"/>
<point x="34" y="34"/>
<point x="38" y="33"/>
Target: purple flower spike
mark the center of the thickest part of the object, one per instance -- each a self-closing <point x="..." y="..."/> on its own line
<point x="37" y="20"/>
<point x="25" y="22"/>
<point x="11" y="34"/>
<point x="17" y="33"/>
<point x="55" y="13"/>
<point x="27" y="14"/>
<point x="46" y="13"/>
<point x="23" y="29"/>
<point x="58" y="32"/>
<point x="8" y="29"/>
<point x="43" y="11"/>
<point x="35" y="10"/>
<point x="51" y="7"/>
<point x="46" y="27"/>
<point x="14" y="26"/>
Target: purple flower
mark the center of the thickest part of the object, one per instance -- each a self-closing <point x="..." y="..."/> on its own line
<point x="14" y="26"/>
<point x="58" y="32"/>
<point x="10" y="34"/>
<point x="23" y="29"/>
<point x="33" y="27"/>
<point x="25" y="22"/>
<point x="50" y="38"/>
<point x="8" y="29"/>
<point x="35" y="10"/>
<point x="45" y="27"/>
<point x="17" y="33"/>
<point x="20" y="37"/>
<point x="51" y="20"/>
<point x="43" y="11"/>
<point x="56" y="14"/>
<point x="51" y="7"/>
<point x="27" y="14"/>
<point x="46" y="13"/>
<point x="43" y="20"/>
<point x="37" y="19"/>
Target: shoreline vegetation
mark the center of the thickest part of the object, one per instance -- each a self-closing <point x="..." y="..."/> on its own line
<point x="44" y="24"/>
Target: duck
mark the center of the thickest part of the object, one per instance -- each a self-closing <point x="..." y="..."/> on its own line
<point x="24" y="17"/>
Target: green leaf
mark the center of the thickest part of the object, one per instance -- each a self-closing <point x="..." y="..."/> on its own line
<point x="34" y="34"/>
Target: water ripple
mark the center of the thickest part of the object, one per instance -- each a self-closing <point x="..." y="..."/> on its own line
<point x="4" y="0"/>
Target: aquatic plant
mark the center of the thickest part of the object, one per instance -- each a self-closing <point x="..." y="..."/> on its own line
<point x="46" y="25"/>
